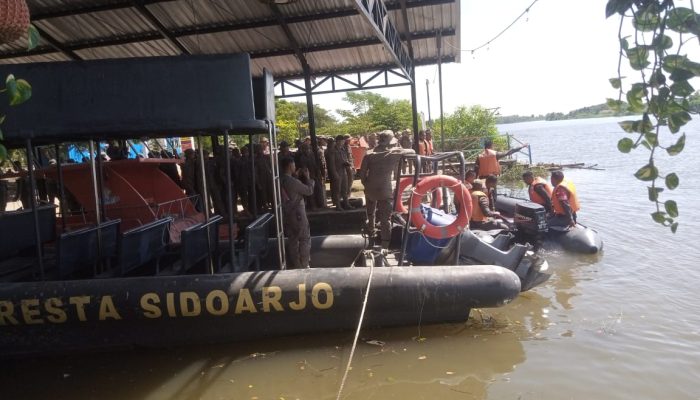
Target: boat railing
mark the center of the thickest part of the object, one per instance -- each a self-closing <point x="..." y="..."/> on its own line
<point x="426" y="166"/>
<point x="177" y="208"/>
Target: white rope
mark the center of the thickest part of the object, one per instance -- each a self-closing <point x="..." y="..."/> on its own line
<point x="359" y="326"/>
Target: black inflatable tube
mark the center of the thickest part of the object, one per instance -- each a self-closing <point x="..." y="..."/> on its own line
<point x="63" y="316"/>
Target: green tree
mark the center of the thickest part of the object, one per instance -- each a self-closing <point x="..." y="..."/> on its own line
<point x="372" y="112"/>
<point x="662" y="95"/>
<point x="465" y="127"/>
<point x="293" y="120"/>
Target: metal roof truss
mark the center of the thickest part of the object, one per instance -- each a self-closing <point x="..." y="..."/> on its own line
<point x="344" y="83"/>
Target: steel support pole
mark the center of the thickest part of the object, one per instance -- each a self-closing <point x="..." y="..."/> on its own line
<point x="61" y="188"/>
<point x="427" y="92"/>
<point x="96" y="190"/>
<point x="35" y="207"/>
<point x="203" y="171"/>
<point x="442" y="119"/>
<point x="252" y="197"/>
<point x="310" y="110"/>
<point x="231" y="206"/>
<point x="414" y="109"/>
<point x="100" y="183"/>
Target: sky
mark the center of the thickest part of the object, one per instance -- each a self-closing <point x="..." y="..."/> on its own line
<point x="558" y="57"/>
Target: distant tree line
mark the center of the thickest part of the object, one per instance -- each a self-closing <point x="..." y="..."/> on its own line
<point x="595" y="111"/>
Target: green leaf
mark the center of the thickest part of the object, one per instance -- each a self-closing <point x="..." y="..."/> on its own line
<point x="654" y="193"/>
<point x="678" y="147"/>
<point x="682" y="89"/>
<point x="651" y="138"/>
<point x="32" y="37"/>
<point x="627" y="126"/>
<point x="3" y="153"/>
<point x="659" y="217"/>
<point x="645" y="144"/>
<point x="617" y="6"/>
<point x="24" y="92"/>
<point x="2" y="119"/>
<point x="647" y="173"/>
<point x="2" y="136"/>
<point x="638" y="58"/>
<point x="625" y="145"/>
<point x="674" y="227"/>
<point x="615" y="83"/>
<point x="673" y="61"/>
<point x="677" y="120"/>
<point x="662" y="42"/>
<point x="624" y="43"/>
<point x="681" y="19"/>
<point x="672" y="181"/>
<point x="671" y="208"/>
<point x="18" y="90"/>
<point x="657" y="78"/>
<point x="681" y="74"/>
<point x="615" y="105"/>
<point x="646" y="21"/>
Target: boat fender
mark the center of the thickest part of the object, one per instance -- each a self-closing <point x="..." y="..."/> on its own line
<point x="463" y="201"/>
<point x="404" y="183"/>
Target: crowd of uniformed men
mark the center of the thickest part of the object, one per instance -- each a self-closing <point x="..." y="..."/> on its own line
<point x="303" y="175"/>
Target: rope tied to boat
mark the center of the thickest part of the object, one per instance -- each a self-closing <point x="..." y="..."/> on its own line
<point x="359" y="324"/>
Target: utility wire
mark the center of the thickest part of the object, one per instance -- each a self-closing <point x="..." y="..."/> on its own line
<point x="498" y="35"/>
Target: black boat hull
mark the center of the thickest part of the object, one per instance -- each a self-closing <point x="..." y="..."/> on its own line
<point x="580" y="239"/>
<point x="62" y="316"/>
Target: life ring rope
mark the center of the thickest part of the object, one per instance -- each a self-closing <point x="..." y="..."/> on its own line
<point x="404" y="183"/>
<point x="462" y="198"/>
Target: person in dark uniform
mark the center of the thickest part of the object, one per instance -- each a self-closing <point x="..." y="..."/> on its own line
<point x="341" y="165"/>
<point x="332" y="173"/>
<point x="306" y="159"/>
<point x="350" y="166"/>
<point x="375" y="174"/>
<point x="188" y="174"/>
<point x="296" y="225"/>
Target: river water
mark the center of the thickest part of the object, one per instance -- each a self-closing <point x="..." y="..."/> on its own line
<point x="620" y="325"/>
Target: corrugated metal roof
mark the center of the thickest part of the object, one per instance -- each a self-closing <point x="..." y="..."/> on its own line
<point x="331" y="34"/>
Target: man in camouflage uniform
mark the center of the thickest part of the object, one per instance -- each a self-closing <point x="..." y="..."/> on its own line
<point x="375" y="174"/>
<point x="296" y="225"/>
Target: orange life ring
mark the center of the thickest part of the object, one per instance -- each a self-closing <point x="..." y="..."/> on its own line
<point x="462" y="199"/>
<point x="406" y="182"/>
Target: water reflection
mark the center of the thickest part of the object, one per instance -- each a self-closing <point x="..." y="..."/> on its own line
<point x="442" y="361"/>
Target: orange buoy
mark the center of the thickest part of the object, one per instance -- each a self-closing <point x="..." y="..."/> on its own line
<point x="463" y="201"/>
<point x="406" y="182"/>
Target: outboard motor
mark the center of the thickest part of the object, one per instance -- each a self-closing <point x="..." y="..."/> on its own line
<point x="530" y="219"/>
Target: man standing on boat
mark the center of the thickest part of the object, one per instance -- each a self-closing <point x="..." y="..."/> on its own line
<point x="296" y="225"/>
<point x="564" y="202"/>
<point x="487" y="162"/>
<point x="539" y="190"/>
<point x="375" y="174"/>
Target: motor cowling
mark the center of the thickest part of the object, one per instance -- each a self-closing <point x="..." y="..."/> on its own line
<point x="530" y="218"/>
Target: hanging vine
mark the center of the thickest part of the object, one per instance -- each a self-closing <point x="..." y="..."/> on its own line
<point x="17" y="90"/>
<point x="657" y="50"/>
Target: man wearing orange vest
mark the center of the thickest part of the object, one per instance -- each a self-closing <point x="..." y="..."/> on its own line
<point x="482" y="216"/>
<point x="540" y="190"/>
<point x="564" y="201"/>
<point x="487" y="162"/>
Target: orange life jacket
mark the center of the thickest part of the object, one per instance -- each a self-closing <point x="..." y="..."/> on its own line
<point x="488" y="163"/>
<point x="534" y="196"/>
<point x="477" y="214"/>
<point x="573" y="198"/>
